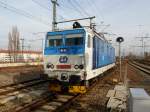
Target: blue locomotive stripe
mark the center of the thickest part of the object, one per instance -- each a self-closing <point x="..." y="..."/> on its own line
<point x="63" y="49"/>
<point x="69" y="50"/>
<point x="103" y="53"/>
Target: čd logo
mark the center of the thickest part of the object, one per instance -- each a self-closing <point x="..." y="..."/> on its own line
<point x="63" y="59"/>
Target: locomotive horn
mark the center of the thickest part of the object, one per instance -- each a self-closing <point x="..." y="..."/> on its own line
<point x="76" y="25"/>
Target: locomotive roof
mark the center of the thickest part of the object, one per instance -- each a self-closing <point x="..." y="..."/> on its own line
<point x="62" y="30"/>
<point x="78" y="30"/>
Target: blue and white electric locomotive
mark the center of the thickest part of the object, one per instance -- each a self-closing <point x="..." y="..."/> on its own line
<point x="74" y="57"/>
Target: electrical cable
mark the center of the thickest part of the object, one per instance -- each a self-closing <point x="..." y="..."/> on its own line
<point x="21" y="12"/>
<point x="75" y="1"/>
<point x="41" y="5"/>
<point x="94" y="8"/>
<point x="80" y="12"/>
<point x="36" y="2"/>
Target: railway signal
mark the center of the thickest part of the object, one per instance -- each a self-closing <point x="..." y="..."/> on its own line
<point x="120" y="40"/>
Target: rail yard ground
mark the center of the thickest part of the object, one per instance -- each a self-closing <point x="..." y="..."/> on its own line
<point x="21" y="85"/>
<point x="22" y="96"/>
<point x="9" y="75"/>
<point x="95" y="100"/>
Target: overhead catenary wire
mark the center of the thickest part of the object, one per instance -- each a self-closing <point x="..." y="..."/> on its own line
<point x="41" y="5"/>
<point x="68" y="7"/>
<point x="61" y="4"/>
<point x="76" y="8"/>
<point x="92" y="7"/>
<point x="46" y="8"/>
<point x="95" y="9"/>
<point x="82" y="9"/>
<point x="99" y="12"/>
<point x="62" y="7"/>
<point x="22" y="12"/>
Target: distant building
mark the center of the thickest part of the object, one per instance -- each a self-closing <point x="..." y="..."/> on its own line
<point x="25" y="56"/>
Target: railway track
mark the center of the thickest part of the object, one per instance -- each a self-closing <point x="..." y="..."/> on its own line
<point x="14" y="96"/>
<point x="47" y="102"/>
<point x="52" y="102"/>
<point x="16" y="87"/>
<point x="142" y="67"/>
<point x="145" y="62"/>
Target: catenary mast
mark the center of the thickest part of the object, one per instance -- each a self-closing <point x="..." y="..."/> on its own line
<point x="54" y="22"/>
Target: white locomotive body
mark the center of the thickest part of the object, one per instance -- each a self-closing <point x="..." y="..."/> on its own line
<point x="73" y="57"/>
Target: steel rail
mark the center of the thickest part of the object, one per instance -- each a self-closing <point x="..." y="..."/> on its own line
<point x="15" y="84"/>
<point x="47" y="99"/>
<point x="17" y="87"/>
<point x="34" y="104"/>
<point x="142" y="68"/>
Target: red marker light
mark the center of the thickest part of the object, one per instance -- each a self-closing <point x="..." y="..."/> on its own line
<point x="64" y="66"/>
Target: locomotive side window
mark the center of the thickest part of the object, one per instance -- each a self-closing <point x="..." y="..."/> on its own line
<point x="74" y="40"/>
<point x="54" y="41"/>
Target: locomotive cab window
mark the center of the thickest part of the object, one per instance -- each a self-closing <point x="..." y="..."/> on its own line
<point x="54" y="41"/>
<point x="74" y="40"/>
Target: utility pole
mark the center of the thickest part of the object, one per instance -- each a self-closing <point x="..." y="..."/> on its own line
<point x="143" y="48"/>
<point x="42" y="44"/>
<point x="142" y="44"/>
<point x="22" y="47"/>
<point x="54" y="24"/>
<point x="42" y="39"/>
<point x="29" y="47"/>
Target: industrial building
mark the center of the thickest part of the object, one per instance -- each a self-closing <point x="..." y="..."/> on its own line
<point x="20" y="56"/>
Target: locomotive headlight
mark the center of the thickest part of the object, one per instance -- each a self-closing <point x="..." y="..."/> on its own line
<point x="61" y="50"/>
<point x="81" y="66"/>
<point x="50" y="66"/>
<point x="65" y="50"/>
<point x="64" y="76"/>
<point x="76" y="66"/>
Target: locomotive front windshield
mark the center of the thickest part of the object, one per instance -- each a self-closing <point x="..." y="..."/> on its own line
<point x="70" y="40"/>
<point x="55" y="41"/>
<point x="65" y="42"/>
<point x="74" y="40"/>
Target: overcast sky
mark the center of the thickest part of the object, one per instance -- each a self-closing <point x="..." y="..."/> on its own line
<point x="124" y="17"/>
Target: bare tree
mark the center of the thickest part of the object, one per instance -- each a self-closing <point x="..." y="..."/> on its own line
<point x="13" y="44"/>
